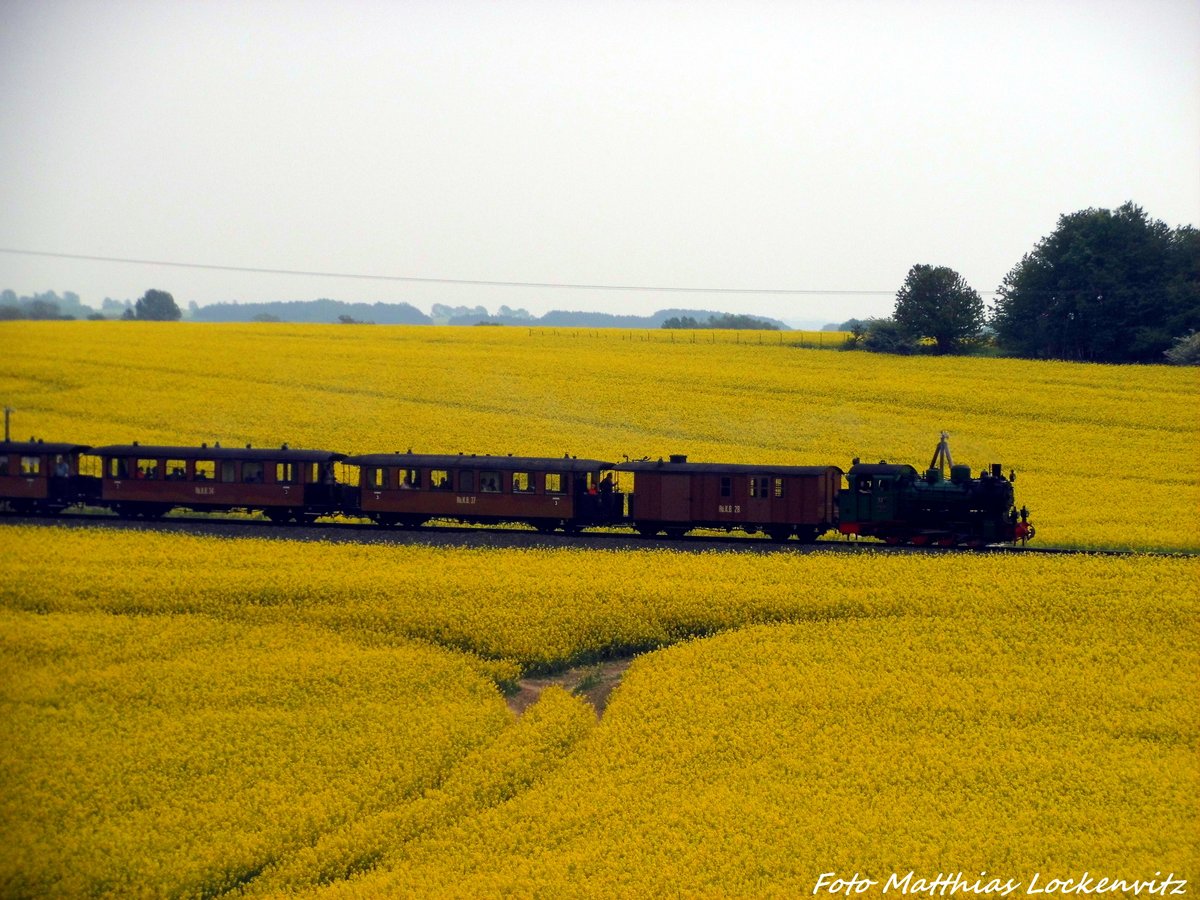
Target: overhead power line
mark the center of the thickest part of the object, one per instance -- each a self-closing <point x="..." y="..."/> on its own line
<point x="412" y="279"/>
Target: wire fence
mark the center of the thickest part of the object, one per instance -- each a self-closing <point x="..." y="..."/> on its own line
<point x="814" y="340"/>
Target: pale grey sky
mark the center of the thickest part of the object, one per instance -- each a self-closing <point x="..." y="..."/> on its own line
<point x="774" y="145"/>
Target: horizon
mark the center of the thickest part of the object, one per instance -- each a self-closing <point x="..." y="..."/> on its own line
<point x="457" y="309"/>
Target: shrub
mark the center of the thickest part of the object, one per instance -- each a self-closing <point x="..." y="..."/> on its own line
<point x="1185" y="351"/>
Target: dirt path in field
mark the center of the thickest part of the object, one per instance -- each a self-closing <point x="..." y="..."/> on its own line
<point x="594" y="683"/>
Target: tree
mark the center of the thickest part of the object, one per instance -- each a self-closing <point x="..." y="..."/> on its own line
<point x="936" y="302"/>
<point x="886" y="336"/>
<point x="1185" y="351"/>
<point x="43" y="309"/>
<point x="156" y="306"/>
<point x="680" y="322"/>
<point x="1106" y="285"/>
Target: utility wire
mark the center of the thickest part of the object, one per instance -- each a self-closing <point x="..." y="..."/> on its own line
<point x="464" y="281"/>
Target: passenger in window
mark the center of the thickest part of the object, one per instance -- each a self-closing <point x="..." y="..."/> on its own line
<point x="62" y="468"/>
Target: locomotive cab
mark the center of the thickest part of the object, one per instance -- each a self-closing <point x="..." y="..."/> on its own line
<point x="876" y="501"/>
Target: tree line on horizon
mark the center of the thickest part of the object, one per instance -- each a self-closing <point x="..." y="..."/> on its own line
<point x="1112" y="286"/>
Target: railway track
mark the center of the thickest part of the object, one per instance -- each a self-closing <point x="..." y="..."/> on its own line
<point x="518" y="537"/>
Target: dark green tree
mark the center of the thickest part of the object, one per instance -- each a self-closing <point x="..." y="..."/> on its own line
<point x="886" y="336"/>
<point x="1106" y="286"/>
<point x="157" y="306"/>
<point x="680" y="322"/>
<point x="936" y="302"/>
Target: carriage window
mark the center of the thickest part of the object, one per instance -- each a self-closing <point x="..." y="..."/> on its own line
<point x="439" y="480"/>
<point x="285" y="473"/>
<point x="726" y="486"/>
<point x="31" y="465"/>
<point x="778" y="487"/>
<point x="252" y="472"/>
<point x="522" y="483"/>
<point x="410" y="480"/>
<point x="118" y="468"/>
<point x="176" y="470"/>
<point x="377" y="477"/>
<point x="228" y="471"/>
<point x="489" y="482"/>
<point x="554" y="483"/>
<point x="147" y="469"/>
<point x="759" y="486"/>
<point x="204" y="470"/>
<point x="466" y="482"/>
<point x="865" y="485"/>
<point x="4" y="464"/>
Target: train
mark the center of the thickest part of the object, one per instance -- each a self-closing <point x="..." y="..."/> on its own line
<point x="945" y="505"/>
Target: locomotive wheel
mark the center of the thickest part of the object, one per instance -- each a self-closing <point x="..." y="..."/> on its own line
<point x="949" y="540"/>
<point x="894" y="540"/>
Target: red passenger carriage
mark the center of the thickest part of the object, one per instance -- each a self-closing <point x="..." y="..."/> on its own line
<point x="782" y="501"/>
<point x="285" y="484"/>
<point x="548" y="493"/>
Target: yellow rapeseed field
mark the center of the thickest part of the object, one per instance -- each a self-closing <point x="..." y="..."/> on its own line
<point x="187" y="716"/>
<point x="156" y="756"/>
<point x="809" y="713"/>
<point x="749" y="764"/>
<point x="1105" y="455"/>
